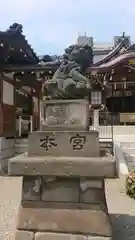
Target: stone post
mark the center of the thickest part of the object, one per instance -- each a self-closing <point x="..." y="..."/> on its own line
<point x="96" y="119"/>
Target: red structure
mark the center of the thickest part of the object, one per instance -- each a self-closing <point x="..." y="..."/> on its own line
<point x="17" y="89"/>
<point x="115" y="75"/>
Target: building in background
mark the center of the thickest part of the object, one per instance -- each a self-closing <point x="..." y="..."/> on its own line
<point x="100" y="49"/>
<point x="83" y="40"/>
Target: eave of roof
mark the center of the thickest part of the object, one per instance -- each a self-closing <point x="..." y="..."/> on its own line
<point x="16" y="38"/>
<point x="32" y="67"/>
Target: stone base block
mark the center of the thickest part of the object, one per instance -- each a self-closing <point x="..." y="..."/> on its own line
<point x="6" y="143"/>
<point x="31" y="189"/>
<point x="64" y="205"/>
<point x="21" y="145"/>
<point x="64" y="143"/>
<point x="21" y="235"/>
<point x="92" y="196"/>
<point x="60" y="190"/>
<point x="6" y="151"/>
<point x="59" y="236"/>
<point x="71" y="221"/>
<point x="20" y="150"/>
<point x="65" y="114"/>
<point x="100" y="167"/>
<point x="24" y="235"/>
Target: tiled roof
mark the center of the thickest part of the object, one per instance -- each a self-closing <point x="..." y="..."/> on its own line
<point x="14" y="48"/>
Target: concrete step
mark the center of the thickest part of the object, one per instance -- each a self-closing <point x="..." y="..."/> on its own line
<point x="130" y="158"/>
<point x="21" y="150"/>
<point x="124" y="137"/>
<point x="130" y="151"/>
<point x="21" y="140"/>
<point x="6" y="153"/>
<point x="127" y="144"/>
<point x="6" y="143"/>
<point x="131" y="166"/>
<point x="21" y="145"/>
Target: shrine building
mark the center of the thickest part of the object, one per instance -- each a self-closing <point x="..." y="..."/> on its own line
<point x="22" y="76"/>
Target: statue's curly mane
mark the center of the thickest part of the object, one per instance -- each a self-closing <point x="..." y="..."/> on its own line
<point x="81" y="54"/>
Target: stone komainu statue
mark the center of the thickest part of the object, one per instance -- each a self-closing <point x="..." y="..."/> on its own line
<point x="69" y="80"/>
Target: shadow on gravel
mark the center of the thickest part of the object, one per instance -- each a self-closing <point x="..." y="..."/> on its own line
<point x="123" y="227"/>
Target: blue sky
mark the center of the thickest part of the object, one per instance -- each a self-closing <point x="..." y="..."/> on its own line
<point x="52" y="25"/>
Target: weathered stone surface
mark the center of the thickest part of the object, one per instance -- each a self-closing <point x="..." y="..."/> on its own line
<point x="64" y="143"/>
<point x="92" y="196"/>
<point x="59" y="236"/>
<point x="92" y="191"/>
<point x="31" y="188"/>
<point x="91" y="183"/>
<point x="65" y="114"/>
<point x="64" y="205"/>
<point x="64" y="220"/>
<point x="104" y="167"/>
<point x="6" y="143"/>
<point x="6" y="153"/>
<point x="98" y="238"/>
<point x="24" y="235"/>
<point x="63" y="190"/>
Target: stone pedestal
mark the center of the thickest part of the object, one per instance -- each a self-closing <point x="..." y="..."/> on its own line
<point x="63" y="193"/>
<point x="96" y="119"/>
<point x="64" y="114"/>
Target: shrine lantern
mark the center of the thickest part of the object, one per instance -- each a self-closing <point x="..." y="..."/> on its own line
<point x="96" y="99"/>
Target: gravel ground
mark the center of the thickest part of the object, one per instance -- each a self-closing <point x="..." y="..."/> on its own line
<point x="121" y="208"/>
<point x="10" y="194"/>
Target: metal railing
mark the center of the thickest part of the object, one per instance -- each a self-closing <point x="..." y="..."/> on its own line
<point x="104" y="126"/>
<point x="24" y="124"/>
<point x="105" y="132"/>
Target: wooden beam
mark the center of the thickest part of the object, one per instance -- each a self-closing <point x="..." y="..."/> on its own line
<point x="18" y="85"/>
<point x="120" y="82"/>
<point x="35" y="68"/>
<point x="1" y="89"/>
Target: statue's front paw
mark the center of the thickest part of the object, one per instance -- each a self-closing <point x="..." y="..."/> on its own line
<point x="80" y="85"/>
